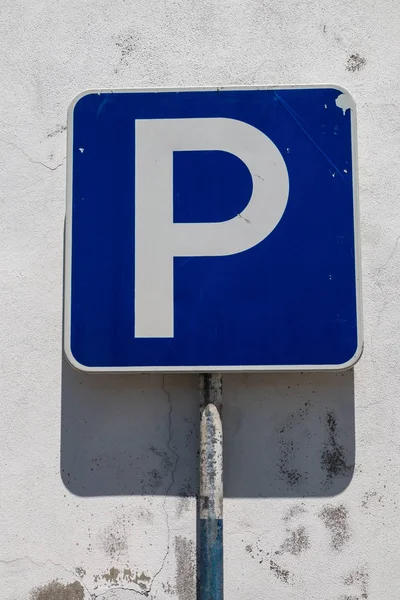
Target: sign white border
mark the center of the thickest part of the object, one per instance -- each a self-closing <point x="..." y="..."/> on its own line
<point x="209" y="368"/>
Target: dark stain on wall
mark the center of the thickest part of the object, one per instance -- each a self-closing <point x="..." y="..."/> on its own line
<point x="185" y="579"/>
<point x="153" y="479"/>
<point x="114" y="542"/>
<point x="186" y="492"/>
<point x="294" y="511"/>
<point x="370" y="497"/>
<point x="168" y="588"/>
<point x="355" y="63"/>
<point x="256" y="552"/>
<point x="335" y="519"/>
<point x="297" y="542"/>
<point x="279" y="572"/>
<point x="288" y="470"/>
<point x="127" y="45"/>
<point x="58" y="591"/>
<point x="359" y="579"/>
<point x="56" y="130"/>
<point x="333" y="458"/>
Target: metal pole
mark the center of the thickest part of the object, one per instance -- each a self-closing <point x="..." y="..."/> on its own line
<point x="211" y="489"/>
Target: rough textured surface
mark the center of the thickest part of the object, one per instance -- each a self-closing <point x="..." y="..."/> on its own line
<point x="106" y="526"/>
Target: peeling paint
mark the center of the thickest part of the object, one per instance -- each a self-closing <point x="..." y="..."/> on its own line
<point x="58" y="591"/>
<point x="111" y="576"/>
<point x="80" y="571"/>
<point x="142" y="580"/>
<point x="345" y="102"/>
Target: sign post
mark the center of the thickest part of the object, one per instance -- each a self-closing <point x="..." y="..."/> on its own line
<point x="211" y="489"/>
<point x="212" y="231"/>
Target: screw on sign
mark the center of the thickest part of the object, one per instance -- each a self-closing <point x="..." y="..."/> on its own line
<point x="212" y="231"/>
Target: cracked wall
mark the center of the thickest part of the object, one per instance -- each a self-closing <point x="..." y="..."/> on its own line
<point x="99" y="475"/>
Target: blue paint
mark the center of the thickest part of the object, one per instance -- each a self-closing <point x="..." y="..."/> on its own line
<point x="211" y="560"/>
<point x="291" y="300"/>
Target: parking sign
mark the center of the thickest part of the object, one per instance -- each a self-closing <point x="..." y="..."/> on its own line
<point x="212" y="230"/>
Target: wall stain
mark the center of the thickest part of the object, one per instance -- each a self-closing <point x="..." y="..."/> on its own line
<point x="80" y="571"/>
<point x="359" y="578"/>
<point x="154" y="477"/>
<point x="114" y="541"/>
<point x="355" y="62"/>
<point x="168" y="588"/>
<point x="333" y="458"/>
<point x="279" y="572"/>
<point x="335" y="519"/>
<point x="166" y="462"/>
<point x="185" y="579"/>
<point x="297" y="542"/>
<point x="58" y="129"/>
<point x="287" y="469"/>
<point x="146" y="515"/>
<point x="58" y="591"/>
<point x="294" y="511"/>
<point x="368" y="497"/>
<point x="257" y="553"/>
<point x="185" y="493"/>
<point x="127" y="45"/>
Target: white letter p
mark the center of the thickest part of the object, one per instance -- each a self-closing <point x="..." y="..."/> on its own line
<point x="158" y="239"/>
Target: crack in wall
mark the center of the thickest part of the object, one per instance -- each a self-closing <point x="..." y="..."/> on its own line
<point x="80" y="576"/>
<point x="173" y="471"/>
<point x="32" y="160"/>
<point x="172" y="451"/>
<point x="76" y="574"/>
<point x="48" y="561"/>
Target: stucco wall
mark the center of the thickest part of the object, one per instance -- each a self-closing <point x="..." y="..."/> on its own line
<point x="312" y="462"/>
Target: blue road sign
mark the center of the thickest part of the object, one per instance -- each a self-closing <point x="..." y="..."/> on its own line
<point x="212" y="230"/>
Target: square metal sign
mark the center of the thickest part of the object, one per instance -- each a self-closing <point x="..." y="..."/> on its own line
<point x="212" y="230"/>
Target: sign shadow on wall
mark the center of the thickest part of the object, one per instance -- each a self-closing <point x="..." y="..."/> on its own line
<point x="285" y="435"/>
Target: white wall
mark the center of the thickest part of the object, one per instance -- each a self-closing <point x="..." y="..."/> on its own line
<point x="119" y="518"/>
